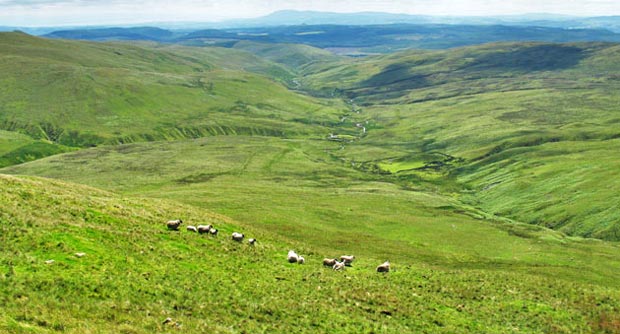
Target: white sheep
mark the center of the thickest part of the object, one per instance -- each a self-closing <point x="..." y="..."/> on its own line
<point x="292" y="257"/>
<point x="236" y="236"/>
<point x="301" y="260"/>
<point x="213" y="231"/>
<point x="174" y="224"/>
<point x="252" y="241"/>
<point x="329" y="262"/>
<point x="347" y="259"/>
<point x="338" y="266"/>
<point x="384" y="267"/>
<point x="191" y="228"/>
<point x="202" y="229"/>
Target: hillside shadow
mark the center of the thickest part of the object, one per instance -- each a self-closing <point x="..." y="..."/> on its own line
<point x="533" y="58"/>
<point x="396" y="77"/>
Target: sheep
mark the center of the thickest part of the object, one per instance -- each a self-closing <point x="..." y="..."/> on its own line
<point x="384" y="267"/>
<point x="191" y="228"/>
<point x="170" y="322"/>
<point x="292" y="257"/>
<point x="252" y="241"/>
<point x="80" y="254"/>
<point x="301" y="260"/>
<point x="174" y="224"/>
<point x="329" y="262"/>
<point x="347" y="259"/>
<point x="338" y="266"/>
<point x="202" y="229"/>
<point x="238" y="236"/>
<point x="213" y="231"/>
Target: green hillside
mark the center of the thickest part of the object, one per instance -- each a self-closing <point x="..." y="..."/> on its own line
<point x="486" y="117"/>
<point x="485" y="175"/>
<point x="135" y="274"/>
<point x="84" y="94"/>
<point x="17" y="148"/>
<point x="294" y="56"/>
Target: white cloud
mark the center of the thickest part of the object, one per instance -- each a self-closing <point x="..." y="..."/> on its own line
<point x="82" y="12"/>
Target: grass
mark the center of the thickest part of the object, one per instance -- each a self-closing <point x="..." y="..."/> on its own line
<point x="568" y="183"/>
<point x="479" y="106"/>
<point x="455" y="178"/>
<point x="135" y="273"/>
<point x="17" y="148"/>
<point x="266" y="181"/>
<point x="83" y="94"/>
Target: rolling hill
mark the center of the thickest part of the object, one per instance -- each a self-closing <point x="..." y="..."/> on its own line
<point x="132" y="273"/>
<point x="351" y="39"/>
<point x="535" y="112"/>
<point x="484" y="174"/>
<point x="82" y="94"/>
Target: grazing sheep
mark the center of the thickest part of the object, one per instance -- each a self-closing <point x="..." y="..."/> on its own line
<point x="301" y="260"/>
<point x="172" y="323"/>
<point x="191" y="228"/>
<point x="202" y="229"/>
<point x="238" y="236"/>
<point x="384" y="267"/>
<point x="292" y="257"/>
<point x="329" y="262"/>
<point x="338" y="266"/>
<point x="252" y="241"/>
<point x="173" y="225"/>
<point x="347" y="259"/>
<point x="49" y="261"/>
<point x="213" y="231"/>
<point x="80" y="254"/>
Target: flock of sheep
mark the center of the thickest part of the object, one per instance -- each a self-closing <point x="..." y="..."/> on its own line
<point x="292" y="257"/>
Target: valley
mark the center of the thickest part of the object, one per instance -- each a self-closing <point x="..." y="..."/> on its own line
<point x="485" y="174"/>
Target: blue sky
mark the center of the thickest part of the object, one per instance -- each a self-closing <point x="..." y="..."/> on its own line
<point x="95" y="12"/>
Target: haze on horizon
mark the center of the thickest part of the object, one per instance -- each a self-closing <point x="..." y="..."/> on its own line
<point x="33" y="13"/>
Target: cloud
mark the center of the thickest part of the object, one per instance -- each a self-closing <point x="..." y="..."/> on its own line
<point x="97" y="12"/>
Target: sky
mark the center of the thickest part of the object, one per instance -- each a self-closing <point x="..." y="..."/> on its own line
<point x="32" y="13"/>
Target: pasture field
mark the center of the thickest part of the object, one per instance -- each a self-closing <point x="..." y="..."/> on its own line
<point x="135" y="273"/>
<point x="486" y="175"/>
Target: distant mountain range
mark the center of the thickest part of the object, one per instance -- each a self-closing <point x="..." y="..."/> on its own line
<point x="292" y="17"/>
<point x="349" y="39"/>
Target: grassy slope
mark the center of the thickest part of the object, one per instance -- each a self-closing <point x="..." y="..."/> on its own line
<point x="234" y="59"/>
<point x="495" y="108"/>
<point x="457" y="268"/>
<point x="267" y="182"/>
<point x="80" y="94"/>
<point x="135" y="273"/>
<point x="293" y="56"/>
<point x="17" y="148"/>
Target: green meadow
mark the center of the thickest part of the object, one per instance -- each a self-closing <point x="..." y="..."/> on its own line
<point x="485" y="175"/>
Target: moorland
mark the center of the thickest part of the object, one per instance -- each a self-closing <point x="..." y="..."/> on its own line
<point x="484" y="173"/>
